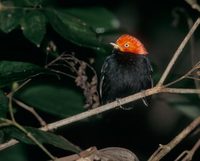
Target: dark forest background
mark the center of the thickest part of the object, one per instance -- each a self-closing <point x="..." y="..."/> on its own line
<point x="35" y="32"/>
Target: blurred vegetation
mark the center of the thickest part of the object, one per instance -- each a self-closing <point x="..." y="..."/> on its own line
<point x="35" y="33"/>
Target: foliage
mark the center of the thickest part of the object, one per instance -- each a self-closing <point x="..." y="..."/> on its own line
<point x="11" y="71"/>
<point x="43" y="78"/>
<point x="53" y="99"/>
<point x="78" y="25"/>
<point x="36" y="19"/>
<point x="43" y="137"/>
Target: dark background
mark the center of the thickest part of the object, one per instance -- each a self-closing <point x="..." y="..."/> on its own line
<point x="141" y="129"/>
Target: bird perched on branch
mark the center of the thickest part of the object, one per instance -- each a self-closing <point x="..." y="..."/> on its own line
<point x="126" y="71"/>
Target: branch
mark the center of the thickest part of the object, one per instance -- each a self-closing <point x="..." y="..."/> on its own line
<point x="117" y="103"/>
<point x="165" y="149"/>
<point x="107" y="107"/>
<point x="187" y="155"/>
<point x="29" y="135"/>
<point x="187" y="75"/>
<point x="193" y="4"/>
<point x="31" y="110"/>
<point x="178" y="52"/>
<point x="19" y="87"/>
<point x="14" y="123"/>
<point x="79" y="69"/>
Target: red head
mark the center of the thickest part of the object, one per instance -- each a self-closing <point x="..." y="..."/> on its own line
<point x="129" y="44"/>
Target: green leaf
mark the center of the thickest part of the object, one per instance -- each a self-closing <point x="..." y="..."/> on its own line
<point x="15" y="153"/>
<point x="34" y="26"/>
<point x="56" y="100"/>
<point x="27" y="3"/>
<point x="42" y="136"/>
<point x="190" y="111"/>
<point x="3" y="105"/>
<point x="73" y="29"/>
<point x="97" y="17"/>
<point x="9" y="17"/>
<point x="187" y="105"/>
<point x="33" y="2"/>
<point x="11" y="71"/>
<point x="20" y="3"/>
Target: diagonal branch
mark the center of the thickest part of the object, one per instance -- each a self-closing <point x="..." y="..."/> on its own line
<point x="193" y="4"/>
<point x="178" y="52"/>
<point x="107" y="107"/>
<point x="165" y="149"/>
<point x="187" y="155"/>
<point x="31" y="110"/>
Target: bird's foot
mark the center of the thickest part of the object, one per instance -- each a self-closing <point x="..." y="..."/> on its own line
<point x="120" y="106"/>
<point x="144" y="100"/>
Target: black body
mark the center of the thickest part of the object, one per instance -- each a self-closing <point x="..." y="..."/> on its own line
<point x="124" y="74"/>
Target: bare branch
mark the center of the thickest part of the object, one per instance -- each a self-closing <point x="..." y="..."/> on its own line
<point x="63" y="73"/>
<point x="19" y="87"/>
<point x="187" y="75"/>
<point x="165" y="149"/>
<point x="8" y="144"/>
<point x="29" y="135"/>
<point x="184" y="155"/>
<point x="31" y="110"/>
<point x="193" y="4"/>
<point x="107" y="107"/>
<point x="79" y="69"/>
<point x="178" y="52"/>
<point x="187" y="155"/>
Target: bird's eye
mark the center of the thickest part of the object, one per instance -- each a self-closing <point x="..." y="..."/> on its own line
<point x="126" y="45"/>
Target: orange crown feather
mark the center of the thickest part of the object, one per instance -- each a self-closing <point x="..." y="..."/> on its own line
<point x="129" y="44"/>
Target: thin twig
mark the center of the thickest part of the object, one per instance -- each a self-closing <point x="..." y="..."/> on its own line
<point x="193" y="4"/>
<point x="156" y="152"/>
<point x="180" y="90"/>
<point x="80" y="69"/>
<point x="64" y="65"/>
<point x="187" y="155"/>
<point x="194" y="78"/>
<point x="11" y="108"/>
<point x="55" y="60"/>
<point x="8" y="144"/>
<point x="187" y="75"/>
<point x="178" y="52"/>
<point x="14" y="123"/>
<point x="63" y="73"/>
<point x="165" y="149"/>
<point x="31" y="110"/>
<point x="19" y="87"/>
<point x="4" y="124"/>
<point x="30" y="136"/>
<point x="184" y="155"/>
<point x="3" y="7"/>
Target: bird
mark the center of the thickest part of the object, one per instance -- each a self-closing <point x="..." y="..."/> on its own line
<point x="126" y="71"/>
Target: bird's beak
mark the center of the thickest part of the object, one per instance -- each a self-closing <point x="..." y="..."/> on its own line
<point x="114" y="45"/>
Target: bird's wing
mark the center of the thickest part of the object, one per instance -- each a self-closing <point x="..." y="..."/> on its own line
<point x="148" y="83"/>
<point x="150" y="71"/>
<point x="104" y="81"/>
<point x="103" y="69"/>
